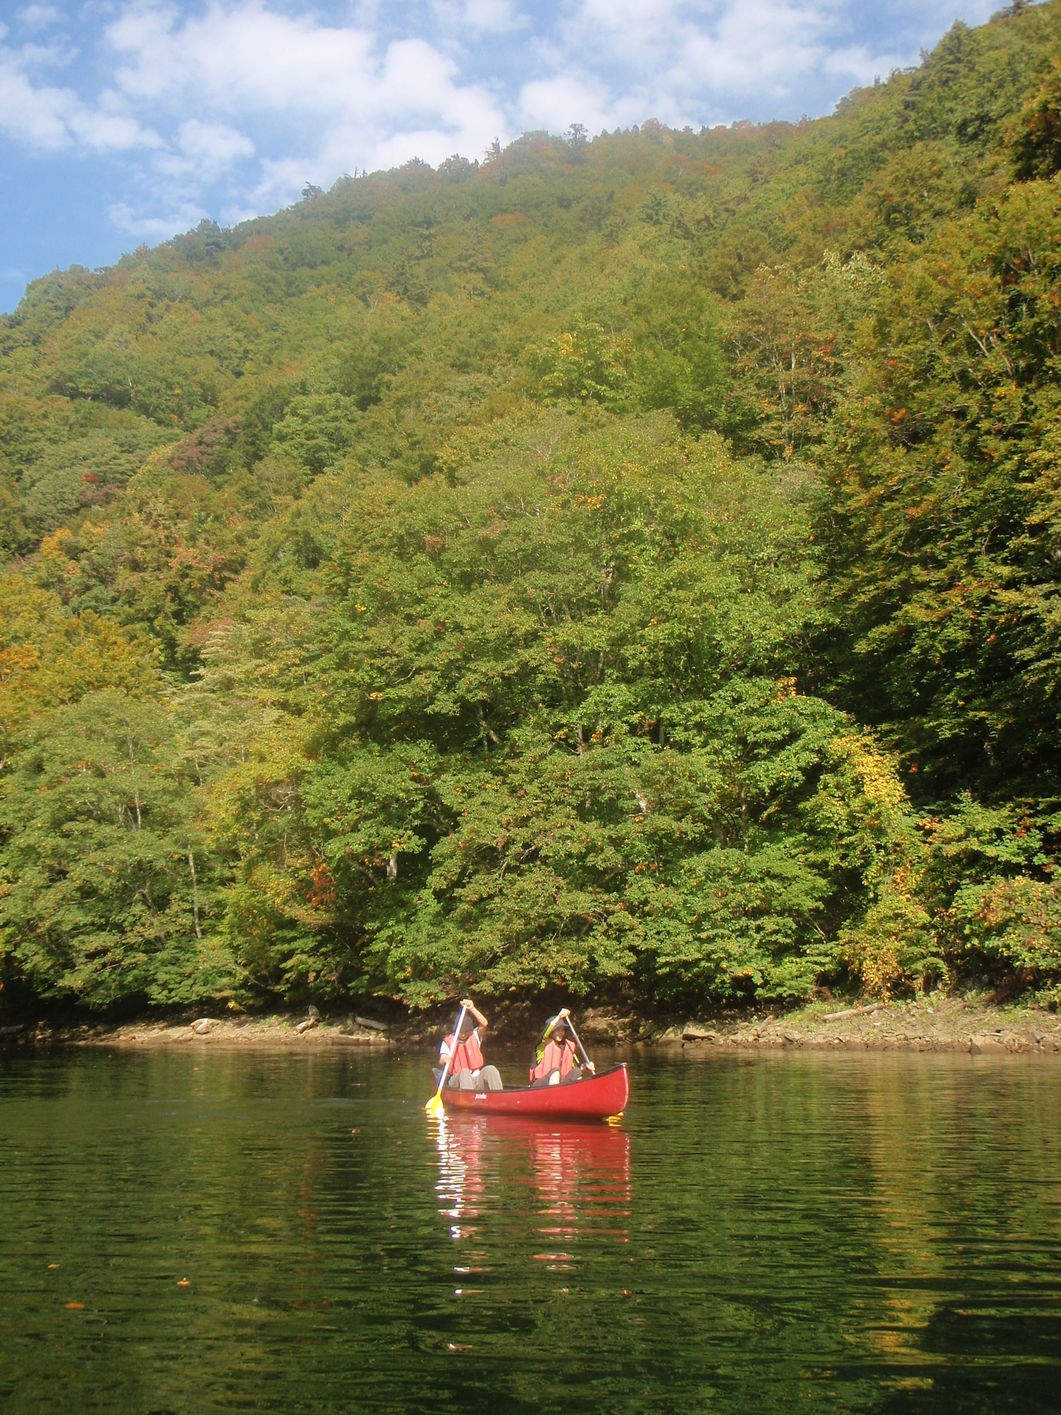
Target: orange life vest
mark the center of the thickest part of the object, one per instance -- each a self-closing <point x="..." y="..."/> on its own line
<point x="467" y="1055"/>
<point x="557" y="1056"/>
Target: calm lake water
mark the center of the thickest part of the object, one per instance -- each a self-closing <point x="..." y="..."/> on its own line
<point x="207" y="1230"/>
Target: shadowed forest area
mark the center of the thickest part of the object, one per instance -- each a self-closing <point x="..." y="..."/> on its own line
<point x="627" y="565"/>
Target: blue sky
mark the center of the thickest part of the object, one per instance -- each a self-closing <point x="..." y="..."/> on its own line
<point x="124" y="122"/>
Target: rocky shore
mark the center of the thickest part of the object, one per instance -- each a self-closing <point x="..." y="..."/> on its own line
<point x="924" y="1025"/>
<point x="935" y="1023"/>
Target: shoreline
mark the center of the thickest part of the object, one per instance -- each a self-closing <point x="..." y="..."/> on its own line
<point x="924" y="1024"/>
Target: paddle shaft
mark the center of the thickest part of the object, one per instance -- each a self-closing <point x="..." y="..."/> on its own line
<point x="578" y="1043"/>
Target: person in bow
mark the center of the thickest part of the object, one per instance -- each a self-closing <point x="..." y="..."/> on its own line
<point x="463" y="1049"/>
<point x="557" y="1058"/>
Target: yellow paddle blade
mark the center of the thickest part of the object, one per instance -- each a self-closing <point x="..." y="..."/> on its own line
<point x="435" y="1106"/>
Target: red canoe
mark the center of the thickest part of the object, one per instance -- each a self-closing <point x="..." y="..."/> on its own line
<point x="592" y="1098"/>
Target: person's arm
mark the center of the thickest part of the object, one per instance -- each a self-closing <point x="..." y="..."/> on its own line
<point x="481" y="1021"/>
<point x="550" y="1027"/>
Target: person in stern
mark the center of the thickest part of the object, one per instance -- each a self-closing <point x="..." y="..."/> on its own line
<point x="463" y="1049"/>
<point x="557" y="1055"/>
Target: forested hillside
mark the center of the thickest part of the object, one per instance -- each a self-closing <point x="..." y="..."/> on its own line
<point x="627" y="564"/>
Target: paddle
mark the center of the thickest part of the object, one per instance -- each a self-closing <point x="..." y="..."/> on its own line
<point x="578" y="1042"/>
<point x="434" y="1106"/>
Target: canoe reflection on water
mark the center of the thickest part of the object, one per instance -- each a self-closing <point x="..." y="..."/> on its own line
<point x="560" y="1182"/>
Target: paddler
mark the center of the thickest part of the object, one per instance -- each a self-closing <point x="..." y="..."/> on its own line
<point x="467" y="1070"/>
<point x="557" y="1055"/>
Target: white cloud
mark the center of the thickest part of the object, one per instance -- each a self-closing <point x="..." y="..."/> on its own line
<point x="109" y="132"/>
<point x="241" y="58"/>
<point x="151" y="229"/>
<point x="204" y="151"/>
<point x="278" y="184"/>
<point x="414" y="77"/>
<point x="298" y="100"/>
<point x="627" y="29"/>
<point x="53" y="118"/>
<point x="38" y="16"/>
<point x="565" y="98"/>
<point x="728" y="47"/>
<point x="247" y="61"/>
<point x="428" y="144"/>
<point x="492" y="17"/>
<point x="37" y="117"/>
<point x="856" y="67"/>
<point x="458" y="24"/>
<point x="213" y="143"/>
<point x="702" y="61"/>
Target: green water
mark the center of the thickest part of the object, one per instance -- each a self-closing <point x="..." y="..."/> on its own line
<point x="207" y="1230"/>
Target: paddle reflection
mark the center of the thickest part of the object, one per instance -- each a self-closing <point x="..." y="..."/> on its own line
<point x="460" y="1179"/>
<point x="561" y="1182"/>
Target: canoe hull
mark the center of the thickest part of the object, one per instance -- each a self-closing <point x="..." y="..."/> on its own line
<point x="592" y="1098"/>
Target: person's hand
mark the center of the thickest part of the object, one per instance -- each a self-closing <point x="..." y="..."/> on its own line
<point x="467" y="1004"/>
<point x="564" y="1012"/>
<point x="591" y="1068"/>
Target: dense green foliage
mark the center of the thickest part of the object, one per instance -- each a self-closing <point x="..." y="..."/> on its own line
<point x="622" y="565"/>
